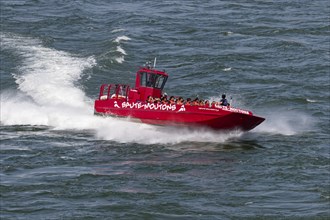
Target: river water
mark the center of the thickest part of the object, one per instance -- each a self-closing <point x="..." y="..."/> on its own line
<point x="59" y="161"/>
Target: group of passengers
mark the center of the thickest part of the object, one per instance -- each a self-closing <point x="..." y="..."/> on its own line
<point x="180" y="101"/>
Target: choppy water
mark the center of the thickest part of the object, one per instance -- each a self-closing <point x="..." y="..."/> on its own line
<point x="58" y="161"/>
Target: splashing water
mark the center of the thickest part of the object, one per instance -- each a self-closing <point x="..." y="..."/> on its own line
<point x="48" y="75"/>
<point x="285" y="123"/>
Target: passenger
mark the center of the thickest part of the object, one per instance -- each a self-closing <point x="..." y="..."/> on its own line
<point x="172" y="100"/>
<point x="179" y="101"/>
<point x="157" y="100"/>
<point x="163" y="100"/>
<point x="188" y="102"/>
<point x="224" y="101"/>
<point x="213" y="104"/>
<point x="207" y="103"/>
<point x="150" y="99"/>
<point x="195" y="102"/>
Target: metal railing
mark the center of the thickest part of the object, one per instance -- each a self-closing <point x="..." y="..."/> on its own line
<point x="114" y="91"/>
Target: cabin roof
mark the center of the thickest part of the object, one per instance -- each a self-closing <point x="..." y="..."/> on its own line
<point x="150" y="70"/>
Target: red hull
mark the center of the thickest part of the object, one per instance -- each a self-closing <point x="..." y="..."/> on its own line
<point x="123" y="101"/>
<point x="218" y="118"/>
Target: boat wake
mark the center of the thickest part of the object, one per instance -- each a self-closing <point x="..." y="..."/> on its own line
<point x="48" y="93"/>
<point x="285" y="123"/>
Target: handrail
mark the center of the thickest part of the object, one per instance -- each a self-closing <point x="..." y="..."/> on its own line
<point x="120" y="91"/>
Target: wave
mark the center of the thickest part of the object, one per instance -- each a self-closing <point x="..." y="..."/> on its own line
<point x="118" y="30"/>
<point x="119" y="49"/>
<point x="122" y="38"/>
<point x="311" y="100"/>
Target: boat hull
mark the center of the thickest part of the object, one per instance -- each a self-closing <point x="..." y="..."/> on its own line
<point x="217" y="118"/>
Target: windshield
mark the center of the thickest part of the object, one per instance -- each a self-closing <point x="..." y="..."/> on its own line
<point x="152" y="80"/>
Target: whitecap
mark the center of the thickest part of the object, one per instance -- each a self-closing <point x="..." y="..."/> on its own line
<point x="121" y="50"/>
<point x="118" y="30"/>
<point x="120" y="59"/>
<point x="311" y="100"/>
<point x="122" y="38"/>
<point x="227" y="33"/>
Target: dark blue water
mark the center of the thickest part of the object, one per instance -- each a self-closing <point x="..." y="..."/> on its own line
<point x="59" y="161"/>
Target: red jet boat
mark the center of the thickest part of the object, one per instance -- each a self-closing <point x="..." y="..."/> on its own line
<point x="121" y="100"/>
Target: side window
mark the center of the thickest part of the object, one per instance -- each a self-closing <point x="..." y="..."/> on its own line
<point x="143" y="79"/>
<point x="151" y="80"/>
<point x="159" y="82"/>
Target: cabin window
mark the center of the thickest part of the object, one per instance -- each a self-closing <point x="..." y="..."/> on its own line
<point x="160" y="82"/>
<point x="143" y="79"/>
<point x="152" y="80"/>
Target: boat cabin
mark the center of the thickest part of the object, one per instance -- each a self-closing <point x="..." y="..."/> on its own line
<point x="148" y="82"/>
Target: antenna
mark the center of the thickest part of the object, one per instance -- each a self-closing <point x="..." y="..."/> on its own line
<point x="155" y="62"/>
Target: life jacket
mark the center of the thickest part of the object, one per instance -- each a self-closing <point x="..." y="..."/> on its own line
<point x="224" y="102"/>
